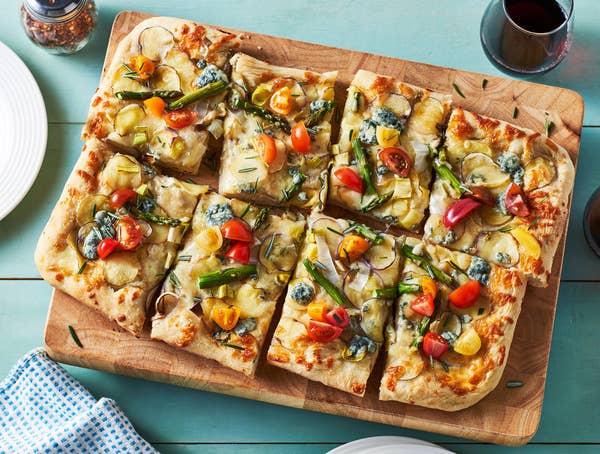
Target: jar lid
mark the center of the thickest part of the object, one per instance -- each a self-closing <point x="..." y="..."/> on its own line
<point x="54" y="10"/>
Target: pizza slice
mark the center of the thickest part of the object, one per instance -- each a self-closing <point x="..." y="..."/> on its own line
<point x="502" y="192"/>
<point x="277" y="134"/>
<point x="114" y="233"/>
<point x="162" y="97"/>
<point x="381" y="164"/>
<point x="218" y="300"/>
<point x="333" y="319"/>
<point x="455" y="319"/>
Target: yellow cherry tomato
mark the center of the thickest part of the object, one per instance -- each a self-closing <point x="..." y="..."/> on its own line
<point x="352" y="247"/>
<point x="317" y="310"/>
<point x="387" y="137"/>
<point x="282" y="101"/>
<point x="468" y="343"/>
<point x="226" y="316"/>
<point x="428" y="286"/>
<point x="528" y="242"/>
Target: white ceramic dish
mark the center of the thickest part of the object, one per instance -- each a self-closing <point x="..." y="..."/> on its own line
<point x="23" y="130"/>
<point x="389" y="445"/>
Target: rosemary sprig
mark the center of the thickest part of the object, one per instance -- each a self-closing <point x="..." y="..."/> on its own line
<point x="235" y="346"/>
<point x="74" y="336"/>
<point x="515" y="112"/>
<point x="424" y="261"/>
<point x="247" y="170"/>
<point x="316" y="117"/>
<point x="457" y="90"/>
<point x="514" y="384"/>
<point x="260" y="218"/>
<point x="549" y="126"/>
<point x="184" y="258"/>
<point x="297" y="180"/>
<point x="82" y="267"/>
<point x="174" y="280"/>
<point x="270" y="246"/>
<point x="484" y="83"/>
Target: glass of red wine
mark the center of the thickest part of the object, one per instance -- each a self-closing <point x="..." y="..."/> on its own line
<point x="527" y="37"/>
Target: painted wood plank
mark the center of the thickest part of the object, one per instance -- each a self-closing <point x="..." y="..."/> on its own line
<point x="20" y="230"/>
<point x="448" y="35"/>
<point x="570" y="407"/>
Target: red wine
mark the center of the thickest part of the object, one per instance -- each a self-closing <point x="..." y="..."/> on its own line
<point x="538" y="16"/>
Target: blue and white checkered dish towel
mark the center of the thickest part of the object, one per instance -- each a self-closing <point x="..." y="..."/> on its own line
<point x="45" y="410"/>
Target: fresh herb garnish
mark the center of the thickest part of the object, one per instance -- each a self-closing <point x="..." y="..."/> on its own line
<point x="247" y="169"/>
<point x="174" y="280"/>
<point x="237" y="347"/>
<point x="514" y="384"/>
<point x="515" y="112"/>
<point x="457" y="268"/>
<point x="533" y="223"/>
<point x="270" y="246"/>
<point x="444" y="365"/>
<point x="82" y="267"/>
<point x="314" y="118"/>
<point x="549" y="126"/>
<point x="370" y="234"/>
<point x="457" y="90"/>
<point x="505" y="229"/>
<point x="74" y="336"/>
<point x="320" y="279"/>
<point x="484" y="83"/>
<point x="424" y="261"/>
<point x="480" y="311"/>
<point x="335" y="231"/>
<point x="260" y="218"/>
<point x="320" y="265"/>
<point x="184" y="258"/>
<point x="245" y="212"/>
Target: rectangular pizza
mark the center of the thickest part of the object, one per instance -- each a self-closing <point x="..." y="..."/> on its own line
<point x="455" y="319"/>
<point x="218" y="300"/>
<point x="277" y="132"/>
<point x="162" y="96"/>
<point x="114" y="233"/>
<point x="333" y="319"/>
<point x="502" y="192"/>
<point x="381" y="164"/>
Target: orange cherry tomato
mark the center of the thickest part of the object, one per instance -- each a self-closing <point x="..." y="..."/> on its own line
<point x="465" y="295"/>
<point x="350" y="179"/>
<point x="155" y="105"/>
<point x="106" y="247"/>
<point x="239" y="251"/>
<point x="129" y="233"/>
<point x="338" y="317"/>
<point x="236" y="229"/>
<point x="226" y="316"/>
<point x="120" y="197"/>
<point x="282" y="101"/>
<point x="323" y="332"/>
<point x="180" y="118"/>
<point x="396" y="160"/>
<point x="143" y="67"/>
<point x="423" y="305"/>
<point x="266" y="148"/>
<point x="352" y="247"/>
<point x="434" y="345"/>
<point x="428" y="286"/>
<point x="317" y="310"/>
<point x="515" y="201"/>
<point x="300" y="138"/>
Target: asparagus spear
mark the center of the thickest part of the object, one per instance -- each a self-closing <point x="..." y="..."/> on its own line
<point x="218" y="278"/>
<point x="400" y="289"/>
<point x="331" y="289"/>
<point x="156" y="219"/>
<point x="424" y="261"/>
<point x="370" y="234"/>
<point x="364" y="167"/>
<point x="204" y="92"/>
<point x="422" y="330"/>
<point x="315" y="117"/>
<point x="376" y="202"/>
<point x="260" y="218"/>
<point x="445" y="172"/>
<point x="239" y="103"/>
<point x="141" y="95"/>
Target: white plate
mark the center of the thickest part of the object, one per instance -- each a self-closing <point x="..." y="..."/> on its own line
<point x="389" y="445"/>
<point x="23" y="130"/>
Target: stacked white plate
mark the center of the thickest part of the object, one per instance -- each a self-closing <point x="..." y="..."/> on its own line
<point x="389" y="445"/>
<point x="23" y="130"/>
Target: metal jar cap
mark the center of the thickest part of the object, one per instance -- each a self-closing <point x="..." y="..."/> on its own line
<point x="54" y="10"/>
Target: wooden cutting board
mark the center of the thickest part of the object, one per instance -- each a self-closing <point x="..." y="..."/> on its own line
<point x="507" y="416"/>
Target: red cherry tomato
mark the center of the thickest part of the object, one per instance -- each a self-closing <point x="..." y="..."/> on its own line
<point x="300" y="138"/>
<point x="180" y="118"/>
<point x="458" y="211"/>
<point x="129" y="233"/>
<point x="338" y="317"/>
<point x="120" y="197"/>
<point x="423" y="305"/>
<point x="397" y="160"/>
<point x="350" y="179"/>
<point x="106" y="247"/>
<point x="239" y="251"/>
<point x="465" y="295"/>
<point x="515" y="201"/>
<point x="434" y="345"/>
<point x="236" y="229"/>
<point x="323" y="332"/>
<point x="266" y="148"/>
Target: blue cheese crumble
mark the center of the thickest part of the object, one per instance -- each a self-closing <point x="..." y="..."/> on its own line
<point x="511" y="164"/>
<point x="210" y="74"/>
<point x="302" y="293"/>
<point x="317" y="105"/>
<point x="367" y="133"/>
<point x="479" y="270"/>
<point x="387" y="118"/>
<point x="218" y="214"/>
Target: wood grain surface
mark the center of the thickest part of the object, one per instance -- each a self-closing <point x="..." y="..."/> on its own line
<point x="506" y="416"/>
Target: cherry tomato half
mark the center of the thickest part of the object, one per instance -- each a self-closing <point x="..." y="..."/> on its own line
<point x="129" y="233"/>
<point x="465" y="295"/>
<point x="323" y="332"/>
<point x="180" y="118"/>
<point x="120" y="197"/>
<point x="338" y="317"/>
<point x="397" y="160"/>
<point x="515" y="201"/>
<point x="350" y="179"/>
<point x="423" y="305"/>
<point x="458" y="211"/>
<point x="434" y="345"/>
<point x="482" y="195"/>
<point x="236" y="229"/>
<point x="239" y="251"/>
<point x="106" y="247"/>
<point x="266" y="148"/>
<point x="300" y="138"/>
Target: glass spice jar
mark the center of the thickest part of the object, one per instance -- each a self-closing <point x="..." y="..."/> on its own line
<point x="59" y="26"/>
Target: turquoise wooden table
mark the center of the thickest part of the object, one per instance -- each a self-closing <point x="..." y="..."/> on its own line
<point x="432" y="31"/>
